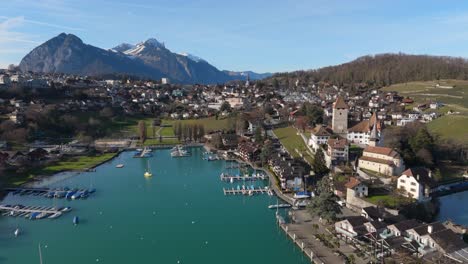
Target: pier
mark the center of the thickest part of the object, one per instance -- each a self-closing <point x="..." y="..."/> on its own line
<point x="247" y="191"/>
<point x="28" y="209"/>
<point x="33" y="212"/>
<point x="224" y="177"/>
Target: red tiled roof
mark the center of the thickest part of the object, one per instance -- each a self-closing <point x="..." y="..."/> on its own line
<point x="353" y="182"/>
<point x="339" y="143"/>
<point x="381" y="150"/>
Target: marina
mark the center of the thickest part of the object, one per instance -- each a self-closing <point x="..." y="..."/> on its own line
<point x="67" y="193"/>
<point x="184" y="228"/>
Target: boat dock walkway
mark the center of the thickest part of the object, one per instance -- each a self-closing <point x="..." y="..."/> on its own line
<point x="224" y="177"/>
<point x="246" y="191"/>
<point x="30" y="209"/>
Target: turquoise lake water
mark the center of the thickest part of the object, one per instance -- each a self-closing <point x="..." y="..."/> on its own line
<point x="455" y="208"/>
<point x="180" y="215"/>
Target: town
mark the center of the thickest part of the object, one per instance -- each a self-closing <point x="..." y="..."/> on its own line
<point x="370" y="168"/>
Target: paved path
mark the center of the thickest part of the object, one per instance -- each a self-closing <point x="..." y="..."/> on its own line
<point x="305" y="231"/>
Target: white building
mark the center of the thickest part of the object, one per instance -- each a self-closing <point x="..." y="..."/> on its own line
<point x="319" y="136"/>
<point x="361" y="133"/>
<point x="417" y="183"/>
<point x="382" y="160"/>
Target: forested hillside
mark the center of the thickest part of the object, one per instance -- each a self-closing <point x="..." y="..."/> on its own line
<point x="382" y="70"/>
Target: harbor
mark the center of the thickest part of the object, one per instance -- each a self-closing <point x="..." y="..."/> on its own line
<point x="184" y="228"/>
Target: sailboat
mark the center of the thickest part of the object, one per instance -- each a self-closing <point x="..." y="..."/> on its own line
<point x="17" y="231"/>
<point x="40" y="254"/>
<point x="148" y="170"/>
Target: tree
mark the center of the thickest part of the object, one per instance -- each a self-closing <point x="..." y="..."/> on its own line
<point x="319" y="165"/>
<point x="258" y="135"/>
<point x="325" y="204"/>
<point x="302" y="122"/>
<point x="314" y="113"/>
<point x="142" y="130"/>
<point x="267" y="151"/>
<point x="225" y="106"/>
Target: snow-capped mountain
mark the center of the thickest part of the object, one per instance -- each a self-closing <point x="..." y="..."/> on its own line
<point x="66" y="53"/>
<point x="123" y="47"/>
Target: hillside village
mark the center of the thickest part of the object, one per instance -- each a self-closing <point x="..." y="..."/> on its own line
<point x="371" y="147"/>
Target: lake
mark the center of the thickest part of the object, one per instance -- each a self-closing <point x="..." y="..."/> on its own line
<point x="180" y="215"/>
<point x="455" y="208"/>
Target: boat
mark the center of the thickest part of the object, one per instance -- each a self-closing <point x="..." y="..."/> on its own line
<point x="60" y="194"/>
<point x="34" y="215"/>
<point x="76" y="220"/>
<point x="42" y="215"/>
<point x="76" y="195"/>
<point x="56" y="215"/>
<point x="17" y="231"/>
<point x="179" y="151"/>
<point x="276" y="206"/>
<point x="302" y="195"/>
<point x="69" y="194"/>
<point x="119" y="166"/>
<point x="66" y="209"/>
<point x="232" y="180"/>
<point x="148" y="170"/>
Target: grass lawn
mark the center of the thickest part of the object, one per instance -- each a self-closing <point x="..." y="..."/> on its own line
<point x="210" y="123"/>
<point x="167" y="131"/>
<point x="453" y="127"/>
<point x="73" y="163"/>
<point x="387" y="199"/>
<point x="292" y="141"/>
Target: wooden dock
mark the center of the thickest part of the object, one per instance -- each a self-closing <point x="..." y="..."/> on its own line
<point x="242" y="178"/>
<point x="245" y="191"/>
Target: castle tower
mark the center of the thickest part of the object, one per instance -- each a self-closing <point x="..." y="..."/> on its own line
<point x="340" y="117"/>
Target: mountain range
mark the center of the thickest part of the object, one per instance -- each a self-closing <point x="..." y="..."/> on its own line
<point x="66" y="53"/>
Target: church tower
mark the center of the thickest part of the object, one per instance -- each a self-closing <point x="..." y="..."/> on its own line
<point x="340" y="117"/>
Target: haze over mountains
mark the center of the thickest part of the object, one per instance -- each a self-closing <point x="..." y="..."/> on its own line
<point x="66" y="53"/>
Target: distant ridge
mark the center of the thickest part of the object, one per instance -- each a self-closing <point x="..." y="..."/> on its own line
<point x="383" y="70"/>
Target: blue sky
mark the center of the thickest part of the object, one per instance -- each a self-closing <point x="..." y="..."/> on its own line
<point x="259" y="35"/>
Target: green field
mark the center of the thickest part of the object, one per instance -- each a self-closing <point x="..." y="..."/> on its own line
<point x="427" y="91"/>
<point x="210" y="123"/>
<point x="449" y="127"/>
<point x="69" y="164"/>
<point x="292" y="141"/>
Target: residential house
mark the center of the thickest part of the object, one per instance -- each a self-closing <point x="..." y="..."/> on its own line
<point x="337" y="151"/>
<point x="356" y="188"/>
<point x="319" y="136"/>
<point x="249" y="151"/>
<point x="417" y="183"/>
<point x="382" y="160"/>
<point x="351" y="227"/>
